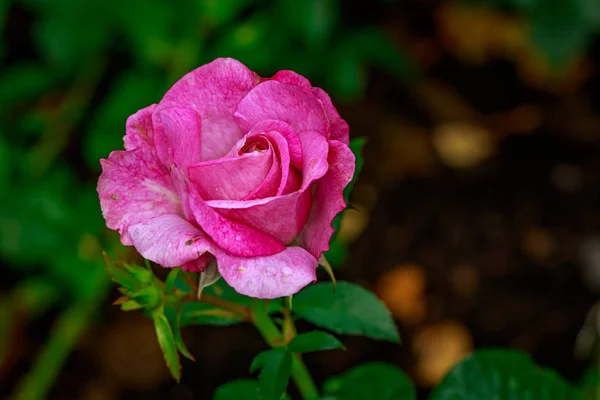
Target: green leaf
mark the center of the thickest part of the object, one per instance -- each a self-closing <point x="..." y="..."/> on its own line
<point x="363" y="382"/>
<point x="275" y="370"/>
<point x="171" y="279"/>
<point x="503" y="374"/>
<point x="247" y="389"/>
<point x="166" y="340"/>
<point x="131" y="305"/>
<point x="356" y="145"/>
<point x="314" y="341"/>
<point x="148" y="297"/>
<point x="178" y="339"/>
<point x="195" y="313"/>
<point x="590" y="383"/>
<point x="351" y="310"/>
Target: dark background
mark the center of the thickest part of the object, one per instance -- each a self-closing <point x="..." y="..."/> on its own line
<point x="476" y="218"/>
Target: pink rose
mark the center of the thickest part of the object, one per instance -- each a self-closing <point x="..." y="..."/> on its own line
<point x="228" y="166"/>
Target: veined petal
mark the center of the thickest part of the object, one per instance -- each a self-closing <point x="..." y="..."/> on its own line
<point x="279" y="101"/>
<point x="213" y="91"/>
<point x="177" y="136"/>
<point x="328" y="199"/>
<point x="169" y="240"/>
<point x="232" y="236"/>
<point x="278" y="275"/>
<point x="134" y="187"/>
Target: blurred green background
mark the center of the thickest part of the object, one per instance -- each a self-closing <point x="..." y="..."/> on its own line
<point x="490" y="108"/>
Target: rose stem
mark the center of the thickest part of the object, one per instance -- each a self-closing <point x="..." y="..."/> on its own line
<point x="274" y="338"/>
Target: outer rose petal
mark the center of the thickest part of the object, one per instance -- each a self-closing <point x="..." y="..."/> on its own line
<point x="140" y="133"/>
<point x="280" y="101"/>
<point x="213" y="91"/>
<point x="134" y="187"/>
<point x="328" y="199"/>
<point x="292" y="78"/>
<point x="282" y="274"/>
<point x="177" y="136"/>
<point x="232" y="236"/>
<point x="339" y="128"/>
<point x="169" y="240"/>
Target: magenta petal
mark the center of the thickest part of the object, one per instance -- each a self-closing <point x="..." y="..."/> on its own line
<point x="139" y="130"/>
<point x="339" y="128"/>
<point x="293" y="141"/>
<point x="231" y="178"/>
<point x="213" y="91"/>
<point x="134" y="187"/>
<point x="282" y="217"/>
<point x="292" y="78"/>
<point x="177" y="136"/>
<point x="279" y="275"/>
<point x="280" y="101"/>
<point x="199" y="264"/>
<point x="169" y="240"/>
<point x="328" y="199"/>
<point x="232" y="236"/>
<point x="314" y="149"/>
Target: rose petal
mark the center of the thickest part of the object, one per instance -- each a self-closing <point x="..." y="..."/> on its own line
<point x="199" y="264"/>
<point x="283" y="217"/>
<point x="328" y="199"/>
<point x="169" y="240"/>
<point x="213" y="91"/>
<point x="293" y="141"/>
<point x="231" y="178"/>
<point x="280" y="101"/>
<point x="134" y="187"/>
<point x="177" y="136"/>
<point x="339" y="128"/>
<point x="292" y="78"/>
<point x="282" y="274"/>
<point x="232" y="236"/>
<point x="140" y="133"/>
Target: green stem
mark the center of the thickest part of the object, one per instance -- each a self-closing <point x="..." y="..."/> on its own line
<point x="274" y="338"/>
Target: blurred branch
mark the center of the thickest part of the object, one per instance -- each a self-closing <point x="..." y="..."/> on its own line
<point x="61" y="122"/>
<point x="63" y="337"/>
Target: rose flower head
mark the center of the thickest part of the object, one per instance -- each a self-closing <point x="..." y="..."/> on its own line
<point x="233" y="169"/>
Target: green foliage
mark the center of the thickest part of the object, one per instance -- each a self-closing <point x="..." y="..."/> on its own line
<point x="247" y="389"/>
<point x="349" y="309"/>
<point x="314" y="341"/>
<point x="502" y="374"/>
<point x="275" y="370"/>
<point x="367" y="381"/>
<point x="166" y="340"/>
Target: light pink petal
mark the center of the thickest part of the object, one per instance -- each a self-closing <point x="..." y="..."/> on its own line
<point x="280" y="101"/>
<point x="232" y="236"/>
<point x="169" y="240"/>
<point x="339" y="128"/>
<point x="177" y="136"/>
<point x="283" y="217"/>
<point x="140" y="133"/>
<point x="213" y="91"/>
<point x="328" y="199"/>
<point x="231" y="178"/>
<point x="279" y="275"/>
<point x="292" y="78"/>
<point x="134" y="187"/>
